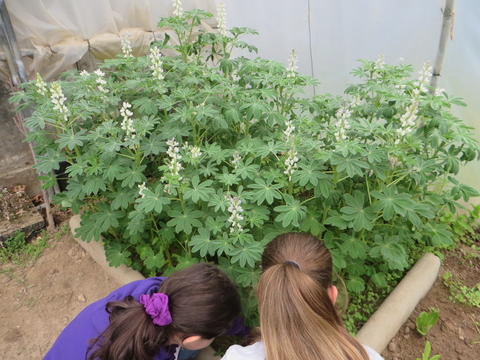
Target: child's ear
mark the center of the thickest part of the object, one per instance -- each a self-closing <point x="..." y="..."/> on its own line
<point x="191" y="339"/>
<point x="333" y="293"/>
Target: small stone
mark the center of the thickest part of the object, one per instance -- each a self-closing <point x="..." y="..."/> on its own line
<point x="407" y="331"/>
<point x="53" y="271"/>
<point x="459" y="351"/>
<point x="411" y="325"/>
<point x="392" y="347"/>
<point x="406" y="337"/>
<point x="81" y="273"/>
<point x="461" y="337"/>
<point x="81" y="298"/>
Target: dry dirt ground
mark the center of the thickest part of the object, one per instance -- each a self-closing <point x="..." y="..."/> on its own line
<point x="39" y="299"/>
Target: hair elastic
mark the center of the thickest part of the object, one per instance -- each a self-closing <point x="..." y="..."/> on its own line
<point x="157" y="307"/>
<point x="294" y="263"/>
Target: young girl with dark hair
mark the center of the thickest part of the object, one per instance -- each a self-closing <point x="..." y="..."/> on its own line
<point x="296" y="298"/>
<point x="151" y="319"/>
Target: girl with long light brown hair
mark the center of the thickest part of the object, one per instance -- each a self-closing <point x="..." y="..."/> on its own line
<point x="296" y="298"/>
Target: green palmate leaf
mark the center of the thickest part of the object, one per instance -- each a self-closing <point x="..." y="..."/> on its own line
<point x="106" y="217"/>
<point x="355" y="211"/>
<point x="379" y="279"/>
<point x="122" y="199"/>
<point x="116" y="256"/>
<point x="291" y="213"/>
<point x="50" y="161"/>
<point x="152" y="201"/>
<point x="311" y="223"/>
<point x="308" y="174"/>
<point x="183" y="221"/>
<point x="257" y="216"/>
<point x="71" y="139"/>
<point x="199" y="191"/>
<point x="154" y="261"/>
<point x="224" y="244"/>
<point x="336" y="220"/>
<point x="355" y="247"/>
<point x="247" y="254"/>
<point x="439" y="234"/>
<point x="356" y="284"/>
<point x="272" y="148"/>
<point x="248" y="276"/>
<point x="132" y="175"/>
<point x="112" y="171"/>
<point x="216" y="225"/>
<point x="389" y="248"/>
<point x="390" y="202"/>
<point x="246" y="169"/>
<point x="338" y="257"/>
<point x="203" y="243"/>
<point x="94" y="184"/>
<point x="88" y="229"/>
<point x="265" y="191"/>
<point x="350" y="163"/>
<point x="153" y="145"/>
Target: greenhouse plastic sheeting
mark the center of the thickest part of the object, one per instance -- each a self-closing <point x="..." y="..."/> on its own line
<point x="60" y="33"/>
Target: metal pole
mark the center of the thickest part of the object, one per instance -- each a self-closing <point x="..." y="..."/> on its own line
<point x="448" y="15"/>
<point x="8" y="54"/>
<point x="12" y="39"/>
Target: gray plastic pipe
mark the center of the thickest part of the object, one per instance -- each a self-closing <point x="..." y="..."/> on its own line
<point x="384" y="324"/>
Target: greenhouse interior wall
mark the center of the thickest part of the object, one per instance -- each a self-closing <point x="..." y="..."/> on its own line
<point x="328" y="36"/>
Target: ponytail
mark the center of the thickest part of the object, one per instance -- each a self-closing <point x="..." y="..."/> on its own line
<point x="202" y="300"/>
<point x="298" y="319"/>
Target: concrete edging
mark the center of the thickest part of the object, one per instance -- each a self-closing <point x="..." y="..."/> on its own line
<point x="377" y="332"/>
<point x="384" y="324"/>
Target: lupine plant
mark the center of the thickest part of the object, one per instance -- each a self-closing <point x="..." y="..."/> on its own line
<point x="206" y="157"/>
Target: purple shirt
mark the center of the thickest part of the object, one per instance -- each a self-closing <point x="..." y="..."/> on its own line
<point x="72" y="344"/>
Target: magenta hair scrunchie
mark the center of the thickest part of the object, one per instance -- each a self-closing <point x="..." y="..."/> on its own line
<point x="157" y="307"/>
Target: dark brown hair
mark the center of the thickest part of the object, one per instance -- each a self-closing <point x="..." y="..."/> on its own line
<point x="202" y="301"/>
<point x="298" y="320"/>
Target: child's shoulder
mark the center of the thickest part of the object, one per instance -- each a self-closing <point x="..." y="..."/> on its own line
<point x="255" y="351"/>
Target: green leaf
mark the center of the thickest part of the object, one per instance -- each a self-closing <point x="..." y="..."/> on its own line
<point x="151" y="201"/>
<point x="291" y="213"/>
<point x="199" y="191"/>
<point x="50" y="161"/>
<point x="248" y="276"/>
<point x="308" y="174"/>
<point x="203" y="243"/>
<point x="379" y="279"/>
<point x="355" y="247"/>
<point x="94" y="184"/>
<point x="88" y="229"/>
<point x="355" y="211"/>
<point x="132" y="175"/>
<point x="336" y="220"/>
<point x="425" y="321"/>
<point x="184" y="221"/>
<point x="105" y="217"/>
<point x="350" y="164"/>
<point x="311" y="223"/>
<point x="265" y="191"/>
<point x="117" y="257"/>
<point x="247" y="254"/>
<point x="391" y="202"/>
<point x="356" y="284"/>
<point x="439" y="235"/>
<point x="71" y="139"/>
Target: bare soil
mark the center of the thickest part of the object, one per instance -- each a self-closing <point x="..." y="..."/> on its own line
<point x="455" y="336"/>
<point x="40" y="298"/>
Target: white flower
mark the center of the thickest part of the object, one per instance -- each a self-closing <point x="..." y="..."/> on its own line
<point x="126" y="46"/>
<point x="235" y="213"/>
<point x="221" y="13"/>
<point x="84" y="74"/>
<point x="141" y="187"/>
<point x="407" y="121"/>
<point x="425" y="75"/>
<point x="195" y="152"/>
<point x="288" y="131"/>
<point x="174" y="163"/>
<point x="58" y="100"/>
<point x="439" y="91"/>
<point x="100" y="81"/>
<point x="342" y="125"/>
<point x="177" y="4"/>
<point x="41" y="85"/>
<point x="380" y="63"/>
<point x="291" y="163"/>
<point x="156" y="63"/>
<point x="127" y="123"/>
<point x="292" y="64"/>
<point x="236" y="159"/>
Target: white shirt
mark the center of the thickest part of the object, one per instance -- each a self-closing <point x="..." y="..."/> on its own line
<point x="256" y="351"/>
